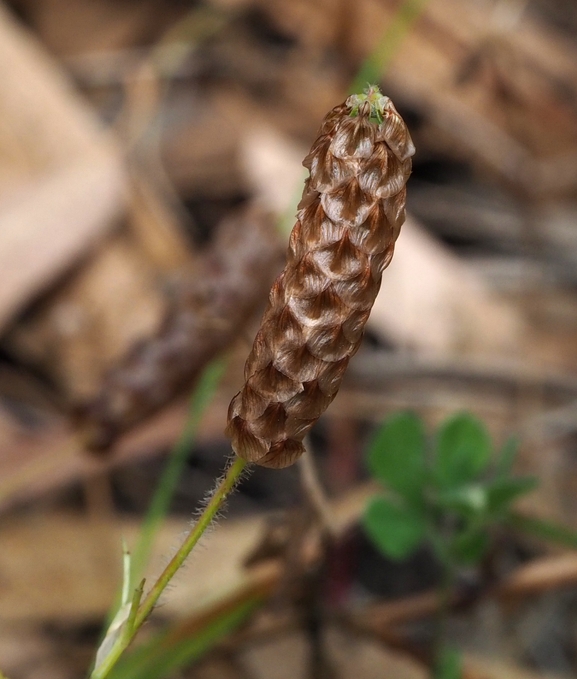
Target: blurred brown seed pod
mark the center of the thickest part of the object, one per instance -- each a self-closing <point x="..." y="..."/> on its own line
<point x="348" y="220"/>
<point x="210" y="308"/>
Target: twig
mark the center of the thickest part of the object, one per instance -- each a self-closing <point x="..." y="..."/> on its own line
<point x="314" y="490"/>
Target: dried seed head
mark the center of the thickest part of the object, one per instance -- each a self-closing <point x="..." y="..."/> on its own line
<point x="352" y="208"/>
<point x="210" y="307"/>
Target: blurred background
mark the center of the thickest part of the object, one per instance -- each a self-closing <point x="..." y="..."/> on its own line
<point x="150" y="165"/>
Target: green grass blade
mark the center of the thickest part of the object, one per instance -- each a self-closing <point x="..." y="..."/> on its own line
<point x="376" y="64"/>
<point x="545" y="530"/>
<point x="161" y="658"/>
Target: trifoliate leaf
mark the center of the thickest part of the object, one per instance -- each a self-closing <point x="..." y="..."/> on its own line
<point x="396" y="456"/>
<point x="463" y="450"/>
<point x="395" y="531"/>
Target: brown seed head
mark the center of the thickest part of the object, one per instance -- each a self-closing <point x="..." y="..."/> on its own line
<point x="350" y="215"/>
<point x="209" y="308"/>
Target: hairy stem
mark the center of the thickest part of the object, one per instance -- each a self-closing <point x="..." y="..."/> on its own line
<point x="135" y="621"/>
<point x="224" y="488"/>
<point x="162" y="497"/>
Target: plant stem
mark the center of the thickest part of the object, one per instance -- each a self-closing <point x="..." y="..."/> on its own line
<point x="444" y="655"/>
<point x="223" y="489"/>
<point x="445" y="592"/>
<point x="163" y="495"/>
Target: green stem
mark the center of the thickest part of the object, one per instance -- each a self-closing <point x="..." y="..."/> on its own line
<point x="172" y="473"/>
<point x="441" y="547"/>
<point x="445" y="594"/>
<point x="223" y="489"/>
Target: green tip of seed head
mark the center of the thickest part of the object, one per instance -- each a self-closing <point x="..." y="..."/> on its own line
<point x="376" y="100"/>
